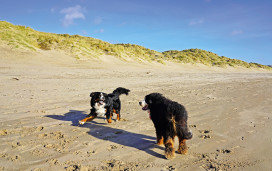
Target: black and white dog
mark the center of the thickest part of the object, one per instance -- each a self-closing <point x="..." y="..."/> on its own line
<point x="105" y="104"/>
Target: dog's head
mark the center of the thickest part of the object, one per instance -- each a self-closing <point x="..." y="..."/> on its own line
<point x="98" y="98"/>
<point x="150" y="100"/>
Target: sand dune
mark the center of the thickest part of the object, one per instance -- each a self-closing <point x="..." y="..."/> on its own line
<point x="44" y="94"/>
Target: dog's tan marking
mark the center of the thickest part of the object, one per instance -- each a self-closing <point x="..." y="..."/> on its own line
<point x="160" y="140"/>
<point x="109" y="120"/>
<point x="87" y="119"/>
<point x="169" y="149"/>
<point x="118" y="117"/>
<point x="182" y="146"/>
<point x="174" y="124"/>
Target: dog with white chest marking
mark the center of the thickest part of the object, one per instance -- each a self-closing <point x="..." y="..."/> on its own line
<point x="103" y="104"/>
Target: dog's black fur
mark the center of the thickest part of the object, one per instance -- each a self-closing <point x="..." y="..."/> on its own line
<point x="105" y="104"/>
<point x="170" y="120"/>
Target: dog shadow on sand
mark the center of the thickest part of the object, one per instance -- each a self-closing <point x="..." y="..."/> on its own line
<point x="104" y="132"/>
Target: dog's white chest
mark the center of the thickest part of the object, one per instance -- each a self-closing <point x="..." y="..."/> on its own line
<point x="100" y="109"/>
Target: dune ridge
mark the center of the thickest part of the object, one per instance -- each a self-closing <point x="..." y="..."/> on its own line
<point x="80" y="47"/>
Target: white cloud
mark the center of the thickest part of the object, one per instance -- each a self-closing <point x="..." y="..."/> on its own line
<point x="84" y="32"/>
<point x="98" y="20"/>
<point x="71" y="14"/>
<point x="99" y="31"/>
<point x="52" y="10"/>
<point x="236" y="32"/>
<point x="196" y="22"/>
<point x="30" y="11"/>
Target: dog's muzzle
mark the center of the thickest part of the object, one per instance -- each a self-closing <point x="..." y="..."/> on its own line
<point x="144" y="105"/>
<point x="101" y="102"/>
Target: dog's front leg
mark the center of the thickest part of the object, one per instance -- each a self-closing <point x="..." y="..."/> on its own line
<point x="89" y="118"/>
<point x="159" y="137"/>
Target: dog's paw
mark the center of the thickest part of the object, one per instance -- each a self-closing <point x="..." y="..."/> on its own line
<point x="81" y="122"/>
<point x="170" y="156"/>
<point x="159" y="144"/>
<point x="183" y="151"/>
<point x="169" y="153"/>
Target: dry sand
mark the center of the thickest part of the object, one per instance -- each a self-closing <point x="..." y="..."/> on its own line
<point x="44" y="94"/>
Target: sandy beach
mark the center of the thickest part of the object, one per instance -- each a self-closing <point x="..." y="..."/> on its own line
<point x="43" y="95"/>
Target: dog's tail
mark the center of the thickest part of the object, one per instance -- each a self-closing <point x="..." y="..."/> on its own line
<point x="121" y="90"/>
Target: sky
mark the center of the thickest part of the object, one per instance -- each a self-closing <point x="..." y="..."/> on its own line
<point x="239" y="29"/>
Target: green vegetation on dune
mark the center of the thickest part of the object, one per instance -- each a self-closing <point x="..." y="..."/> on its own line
<point x="27" y="38"/>
<point x="208" y="58"/>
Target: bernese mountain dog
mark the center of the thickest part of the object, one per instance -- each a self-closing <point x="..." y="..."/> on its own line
<point x="105" y="104"/>
<point x="170" y="120"/>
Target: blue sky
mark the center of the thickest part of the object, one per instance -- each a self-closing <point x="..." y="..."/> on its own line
<point x="240" y="29"/>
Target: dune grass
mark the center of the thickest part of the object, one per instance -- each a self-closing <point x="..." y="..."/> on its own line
<point x="26" y="38"/>
<point x="208" y="58"/>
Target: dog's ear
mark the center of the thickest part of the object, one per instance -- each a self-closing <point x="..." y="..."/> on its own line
<point x="92" y="94"/>
<point x="148" y="99"/>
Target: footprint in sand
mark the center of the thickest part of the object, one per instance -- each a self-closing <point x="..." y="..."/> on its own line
<point x="205" y="134"/>
<point x="10" y="157"/>
<point x="170" y="168"/>
<point x="23" y="131"/>
<point x="91" y="152"/>
<point x="16" y="145"/>
<point x="114" y="147"/>
<point x="3" y="132"/>
<point x="52" y="161"/>
<point x="124" y="119"/>
<point x="224" y="151"/>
